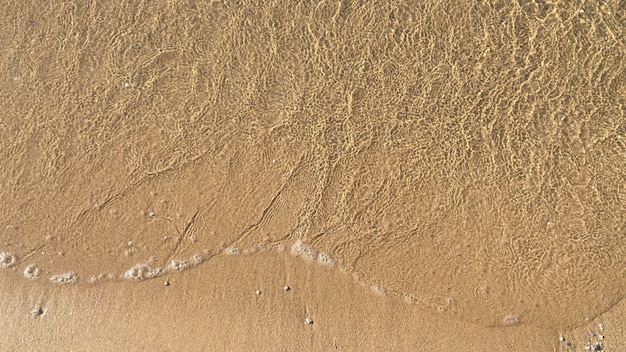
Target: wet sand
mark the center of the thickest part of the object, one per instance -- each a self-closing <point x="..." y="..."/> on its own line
<point x="420" y="175"/>
<point x="216" y="307"/>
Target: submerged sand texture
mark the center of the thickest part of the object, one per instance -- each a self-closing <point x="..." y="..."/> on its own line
<point x="426" y="175"/>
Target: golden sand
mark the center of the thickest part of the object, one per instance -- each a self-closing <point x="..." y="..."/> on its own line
<point x="420" y="175"/>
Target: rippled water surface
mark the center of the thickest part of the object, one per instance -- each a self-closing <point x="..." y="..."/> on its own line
<point x="467" y="156"/>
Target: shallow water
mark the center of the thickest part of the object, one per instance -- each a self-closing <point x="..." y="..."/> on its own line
<point x="466" y="157"/>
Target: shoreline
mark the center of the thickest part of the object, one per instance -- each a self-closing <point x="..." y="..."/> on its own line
<point x="221" y="298"/>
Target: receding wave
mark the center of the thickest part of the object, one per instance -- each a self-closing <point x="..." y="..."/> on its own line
<point x="466" y="156"/>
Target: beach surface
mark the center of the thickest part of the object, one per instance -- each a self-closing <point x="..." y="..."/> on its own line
<point x="313" y="175"/>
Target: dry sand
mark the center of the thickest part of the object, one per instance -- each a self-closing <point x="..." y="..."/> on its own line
<point x="421" y="175"/>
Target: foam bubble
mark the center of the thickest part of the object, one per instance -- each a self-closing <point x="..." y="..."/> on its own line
<point x="379" y="290"/>
<point x="32" y="272"/>
<point x="325" y="259"/>
<point x="301" y="249"/>
<point x="296" y="249"/>
<point x="142" y="272"/>
<point x="231" y="251"/>
<point x="249" y="251"/>
<point x="196" y="259"/>
<point x="177" y="265"/>
<point x="7" y="260"/>
<point x="65" y="278"/>
<point x="511" y="320"/>
<point x="96" y="278"/>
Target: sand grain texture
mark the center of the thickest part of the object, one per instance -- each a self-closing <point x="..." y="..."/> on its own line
<point x="465" y="157"/>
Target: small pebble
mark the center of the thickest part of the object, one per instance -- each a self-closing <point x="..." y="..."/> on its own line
<point x="601" y="337"/>
<point x="286" y="288"/>
<point x="601" y="326"/>
<point x="37" y="312"/>
<point x="561" y="338"/>
<point x="126" y="85"/>
<point x="309" y="321"/>
<point x="151" y="214"/>
<point x="166" y="283"/>
<point x="258" y="292"/>
<point x="596" y="347"/>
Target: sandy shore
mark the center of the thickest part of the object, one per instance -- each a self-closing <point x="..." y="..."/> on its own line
<point x="441" y="176"/>
<point x="216" y="307"/>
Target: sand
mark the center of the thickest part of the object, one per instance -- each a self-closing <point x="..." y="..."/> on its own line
<point x="216" y="307"/>
<point x="421" y="175"/>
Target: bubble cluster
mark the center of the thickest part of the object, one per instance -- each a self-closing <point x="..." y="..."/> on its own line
<point x="65" y="278"/>
<point x="32" y="272"/>
<point x="93" y="279"/>
<point x="177" y="265"/>
<point x="249" y="251"/>
<point x="301" y="249"/>
<point x="511" y="320"/>
<point x="231" y="251"/>
<point x="7" y="260"/>
<point x="142" y="272"/>
<point x="325" y="259"/>
<point x="196" y="259"/>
